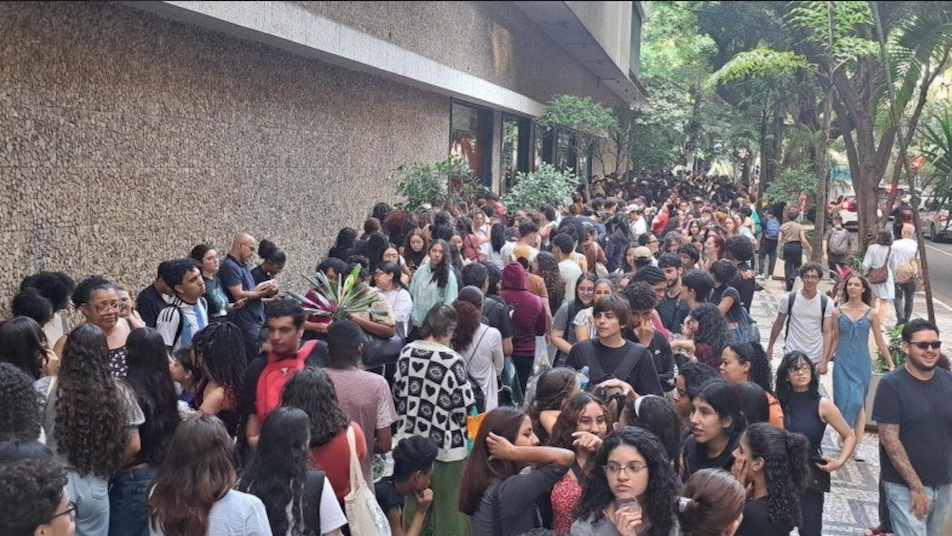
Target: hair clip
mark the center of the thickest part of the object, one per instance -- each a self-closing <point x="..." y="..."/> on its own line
<point x="684" y="503"/>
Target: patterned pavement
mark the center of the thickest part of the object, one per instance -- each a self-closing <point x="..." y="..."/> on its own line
<point x="852" y="505"/>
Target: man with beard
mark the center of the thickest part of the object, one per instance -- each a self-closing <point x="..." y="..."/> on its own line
<point x="915" y="435"/>
<point x="672" y="309"/>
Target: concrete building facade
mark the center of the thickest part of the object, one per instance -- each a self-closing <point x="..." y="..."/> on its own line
<point x="133" y="130"/>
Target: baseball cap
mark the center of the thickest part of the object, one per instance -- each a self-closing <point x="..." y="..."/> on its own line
<point x="522" y="252"/>
<point x="642" y="252"/>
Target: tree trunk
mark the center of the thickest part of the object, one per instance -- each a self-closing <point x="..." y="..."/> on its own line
<point x="822" y="165"/>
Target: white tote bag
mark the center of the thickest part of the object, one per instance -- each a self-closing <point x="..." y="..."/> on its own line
<point x="364" y="515"/>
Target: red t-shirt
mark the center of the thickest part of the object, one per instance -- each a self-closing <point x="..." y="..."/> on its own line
<point x="333" y="458"/>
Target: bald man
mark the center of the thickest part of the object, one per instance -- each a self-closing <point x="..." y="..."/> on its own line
<point x="240" y="285"/>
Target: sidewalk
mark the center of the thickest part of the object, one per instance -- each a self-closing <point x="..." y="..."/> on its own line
<point x="852" y="505"/>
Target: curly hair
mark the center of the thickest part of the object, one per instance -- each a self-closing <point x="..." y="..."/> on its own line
<point x="552" y="389"/>
<point x="790" y="360"/>
<point x="786" y="459"/>
<point x="22" y="343"/>
<point x="312" y="391"/>
<point x="278" y="470"/>
<point x="468" y="320"/>
<point x="549" y="271"/>
<point x="754" y="354"/>
<point x="739" y="248"/>
<point x="30" y="493"/>
<point x="222" y="350"/>
<point x="660" y="496"/>
<point x="20" y="418"/>
<point x="54" y="286"/>
<point x="712" y="330"/>
<point x="90" y="410"/>
<point x="148" y="376"/>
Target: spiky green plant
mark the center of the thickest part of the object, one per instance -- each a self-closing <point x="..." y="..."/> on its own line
<point x="336" y="301"/>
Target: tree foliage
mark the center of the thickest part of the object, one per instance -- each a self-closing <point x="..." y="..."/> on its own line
<point x="449" y="181"/>
<point x="546" y="184"/>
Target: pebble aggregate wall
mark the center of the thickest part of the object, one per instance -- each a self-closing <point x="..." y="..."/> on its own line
<point x="126" y="138"/>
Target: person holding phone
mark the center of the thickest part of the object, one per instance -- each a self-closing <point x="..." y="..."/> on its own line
<point x="631" y="490"/>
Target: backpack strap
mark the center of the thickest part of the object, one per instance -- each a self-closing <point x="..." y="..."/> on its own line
<point x="181" y="320"/>
<point x="313" y="490"/>
<point x="595" y="370"/>
<point x="791" y="297"/>
<point x="627" y="364"/>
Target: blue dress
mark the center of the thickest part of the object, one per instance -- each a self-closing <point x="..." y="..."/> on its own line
<point x="853" y="367"/>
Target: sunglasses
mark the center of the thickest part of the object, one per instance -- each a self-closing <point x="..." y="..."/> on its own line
<point x="926" y="345"/>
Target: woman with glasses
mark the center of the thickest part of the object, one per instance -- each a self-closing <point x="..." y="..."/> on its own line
<point x="853" y="322"/>
<point x="98" y="300"/>
<point x="631" y="491"/>
<point x="433" y="397"/>
<point x="807" y="412"/>
<point x="497" y="494"/>
<point x="34" y="499"/>
<point x="581" y="427"/>
<point x="563" y="331"/>
<point x="584" y="321"/>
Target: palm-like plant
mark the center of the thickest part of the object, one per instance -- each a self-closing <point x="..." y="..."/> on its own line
<point x="336" y="301"/>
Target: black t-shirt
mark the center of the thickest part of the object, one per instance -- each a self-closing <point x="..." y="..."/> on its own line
<point x="661" y="356"/>
<point x="259" y="275"/>
<point x="643" y="377"/>
<point x="755" y="521"/>
<point x="149" y="302"/>
<point x="673" y="311"/>
<point x="745" y="283"/>
<point x="516" y="501"/>
<point x="924" y="415"/>
<point x="497" y="313"/>
<point x="726" y="291"/>
<point x="387" y="496"/>
<point x="249" y="391"/>
<point x="696" y="456"/>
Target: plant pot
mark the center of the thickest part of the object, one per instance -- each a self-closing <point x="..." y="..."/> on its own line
<point x="870" y="397"/>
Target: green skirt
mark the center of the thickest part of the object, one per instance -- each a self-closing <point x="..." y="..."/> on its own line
<point x="444" y="517"/>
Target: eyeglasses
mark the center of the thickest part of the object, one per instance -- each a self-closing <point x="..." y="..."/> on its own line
<point x="105" y="307"/>
<point x="926" y="345"/>
<point x="69" y="512"/>
<point x="802" y="369"/>
<point x="615" y="470"/>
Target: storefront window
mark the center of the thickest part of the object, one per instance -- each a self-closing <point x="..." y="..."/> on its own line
<point x="515" y="148"/>
<point x="470" y="138"/>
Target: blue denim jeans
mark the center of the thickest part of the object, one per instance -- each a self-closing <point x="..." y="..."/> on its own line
<point x="905" y="523"/>
<point x="905" y="294"/>
<point x="128" y="495"/>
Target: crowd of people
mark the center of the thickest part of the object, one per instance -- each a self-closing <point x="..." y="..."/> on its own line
<point x="588" y="369"/>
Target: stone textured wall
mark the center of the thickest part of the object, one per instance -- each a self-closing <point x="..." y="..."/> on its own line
<point x="492" y="40"/>
<point x="125" y="139"/>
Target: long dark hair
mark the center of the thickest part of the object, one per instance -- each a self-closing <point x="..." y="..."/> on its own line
<point x="90" y="414"/>
<point x="392" y="268"/>
<point x="468" y="321"/>
<point x="197" y="471"/>
<point x="312" y="390"/>
<point x="481" y="471"/>
<point x="377" y="244"/>
<point x="413" y="258"/>
<point x="222" y="350"/>
<point x="785" y="456"/>
<point x="659" y="416"/>
<point x="790" y="361"/>
<point x="576" y="305"/>
<point x="712" y="330"/>
<point x="277" y="472"/>
<point x="567" y="422"/>
<point x="148" y="376"/>
<point x="754" y="354"/>
<point x="725" y="402"/>
<point x="22" y="344"/>
<point x="716" y="499"/>
<point x="441" y="271"/>
<point x="663" y="484"/>
<point x="549" y="271"/>
<point x="497" y="237"/>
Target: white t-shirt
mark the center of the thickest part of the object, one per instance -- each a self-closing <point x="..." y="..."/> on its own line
<point x="507" y="250"/>
<point x="903" y="251"/>
<point x="237" y="514"/>
<point x="639" y="227"/>
<point x="485" y="361"/>
<point x="194" y="318"/>
<point x="806" y="326"/>
<point x="569" y="271"/>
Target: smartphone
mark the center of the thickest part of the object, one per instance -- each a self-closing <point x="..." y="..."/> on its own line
<point x="818" y="461"/>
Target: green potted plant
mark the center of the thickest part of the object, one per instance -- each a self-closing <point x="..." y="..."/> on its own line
<point x="335" y="301"/>
<point x="894" y="343"/>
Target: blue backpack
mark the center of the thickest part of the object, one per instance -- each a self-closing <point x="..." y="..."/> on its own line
<point x="772" y="230"/>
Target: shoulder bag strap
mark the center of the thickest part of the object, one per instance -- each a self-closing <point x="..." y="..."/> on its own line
<point x="356" y="476"/>
<point x="471" y="354"/>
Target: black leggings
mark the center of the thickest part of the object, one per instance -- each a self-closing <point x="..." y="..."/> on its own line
<point x="523" y="364"/>
<point x="792" y="260"/>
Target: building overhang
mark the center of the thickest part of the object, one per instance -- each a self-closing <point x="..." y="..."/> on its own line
<point x="292" y="28"/>
<point x="561" y="24"/>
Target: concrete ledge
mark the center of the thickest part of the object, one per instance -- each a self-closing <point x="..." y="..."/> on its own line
<point x="302" y="32"/>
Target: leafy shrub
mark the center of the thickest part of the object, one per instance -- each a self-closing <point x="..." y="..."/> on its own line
<point x="449" y="181"/>
<point x="544" y="185"/>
